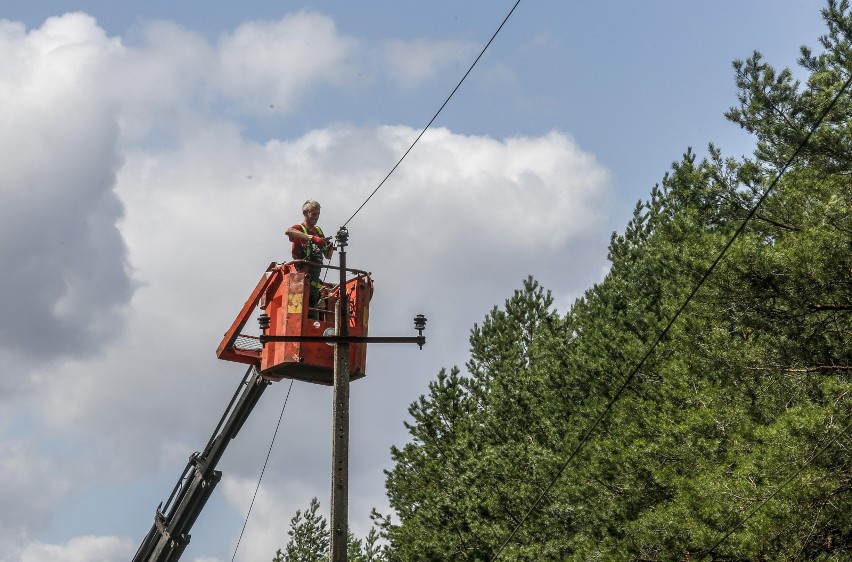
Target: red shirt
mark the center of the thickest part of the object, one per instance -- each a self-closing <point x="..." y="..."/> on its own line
<point x="300" y="246"/>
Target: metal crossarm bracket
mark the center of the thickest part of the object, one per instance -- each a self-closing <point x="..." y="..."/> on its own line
<point x="419" y="325"/>
<point x="419" y="340"/>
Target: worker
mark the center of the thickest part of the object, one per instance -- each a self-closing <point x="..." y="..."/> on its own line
<point x="311" y="245"/>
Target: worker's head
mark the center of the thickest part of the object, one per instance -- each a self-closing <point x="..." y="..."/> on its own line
<point x="311" y="210"/>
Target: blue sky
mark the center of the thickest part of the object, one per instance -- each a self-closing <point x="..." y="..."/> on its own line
<point x="155" y="152"/>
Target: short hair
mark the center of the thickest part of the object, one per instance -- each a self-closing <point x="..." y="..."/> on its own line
<point x="310" y="204"/>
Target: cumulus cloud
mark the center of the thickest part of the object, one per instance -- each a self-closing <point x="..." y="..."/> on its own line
<point x="30" y="486"/>
<point x="161" y="80"/>
<point x="80" y="549"/>
<point x="205" y="218"/>
<point x="65" y="278"/>
<point x="270" y="65"/>
<point x="266" y="530"/>
<point x="413" y="62"/>
<point x="200" y="232"/>
<point x="106" y="227"/>
<point x="70" y="96"/>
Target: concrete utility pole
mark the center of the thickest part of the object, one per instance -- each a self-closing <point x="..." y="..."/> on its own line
<point x="169" y="535"/>
<point x="340" y="413"/>
<point x="339" y="536"/>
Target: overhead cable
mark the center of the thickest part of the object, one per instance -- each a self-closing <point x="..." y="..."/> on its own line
<point x="269" y="452"/>
<point x="429" y="124"/>
<point x="587" y="435"/>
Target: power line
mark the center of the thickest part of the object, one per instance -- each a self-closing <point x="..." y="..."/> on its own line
<point x="429" y="124"/>
<point x="269" y="452"/>
<point x="587" y="435"/>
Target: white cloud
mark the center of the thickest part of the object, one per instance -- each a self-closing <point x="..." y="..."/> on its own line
<point x="203" y="221"/>
<point x="29" y="485"/>
<point x="413" y="62"/>
<point x="109" y="229"/>
<point x="200" y="232"/>
<point x="269" y="521"/>
<point x="271" y="65"/>
<point x="70" y="96"/>
<point x="162" y="80"/>
<point x="65" y="278"/>
<point x="80" y="549"/>
<point x="451" y="235"/>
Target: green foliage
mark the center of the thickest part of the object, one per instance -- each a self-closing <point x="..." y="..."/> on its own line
<point x="710" y="450"/>
<point x="309" y="541"/>
<point x="309" y="537"/>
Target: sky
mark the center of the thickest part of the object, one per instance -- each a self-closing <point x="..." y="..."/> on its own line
<point x="154" y="153"/>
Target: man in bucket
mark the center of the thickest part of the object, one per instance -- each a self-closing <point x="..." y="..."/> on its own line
<point x="311" y="245"/>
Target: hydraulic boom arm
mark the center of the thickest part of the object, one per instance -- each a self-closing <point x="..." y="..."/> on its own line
<point x="169" y="535"/>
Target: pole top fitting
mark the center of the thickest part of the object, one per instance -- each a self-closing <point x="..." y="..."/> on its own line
<point x="342" y="237"/>
<point x="420" y="325"/>
<point x="263" y="322"/>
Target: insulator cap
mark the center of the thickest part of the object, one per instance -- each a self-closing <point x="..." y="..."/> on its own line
<point x="342" y="237"/>
<point x="419" y="322"/>
<point x="263" y="321"/>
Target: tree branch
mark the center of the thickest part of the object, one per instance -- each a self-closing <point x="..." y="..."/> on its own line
<point x="811" y="369"/>
<point x="829" y="307"/>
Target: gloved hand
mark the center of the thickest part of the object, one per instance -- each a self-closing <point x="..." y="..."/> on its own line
<point x="318" y="240"/>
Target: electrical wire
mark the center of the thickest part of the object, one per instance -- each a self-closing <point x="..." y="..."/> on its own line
<point x="259" y="480"/>
<point x="429" y="124"/>
<point x="587" y="435"/>
<point x="393" y="169"/>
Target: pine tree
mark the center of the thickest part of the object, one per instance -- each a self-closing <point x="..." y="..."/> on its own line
<point x="309" y="541"/>
<point x="475" y="438"/>
<point x="309" y="537"/>
<point x="751" y="381"/>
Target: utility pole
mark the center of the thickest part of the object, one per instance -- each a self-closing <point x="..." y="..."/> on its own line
<point x="340" y="413"/>
<point x="169" y="535"/>
<point x="339" y="536"/>
<point x="342" y="340"/>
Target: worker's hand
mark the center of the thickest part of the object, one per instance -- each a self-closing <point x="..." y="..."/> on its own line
<point x="318" y="240"/>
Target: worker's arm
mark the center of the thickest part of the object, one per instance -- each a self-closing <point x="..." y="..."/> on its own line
<point x="297" y="234"/>
<point x="323" y="243"/>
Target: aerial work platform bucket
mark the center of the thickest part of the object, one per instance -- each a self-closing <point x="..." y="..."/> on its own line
<point x="283" y="294"/>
